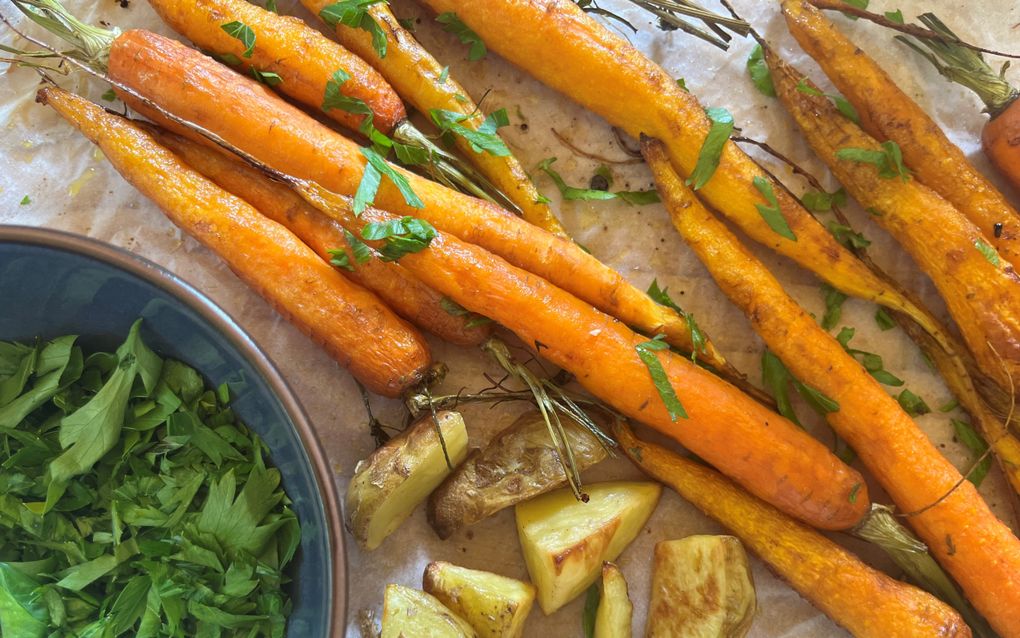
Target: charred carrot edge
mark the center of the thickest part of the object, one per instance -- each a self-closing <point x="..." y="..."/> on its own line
<point x="886" y="112"/>
<point x="304" y="59"/>
<point x="381" y="350"/>
<point x="401" y="291"/>
<point x="427" y="85"/>
<point x="863" y="600"/>
<point x="770" y="456"/>
<point x="568" y="50"/>
<point x="980" y="289"/>
<point x="947" y="512"/>
<point x="248" y="116"/>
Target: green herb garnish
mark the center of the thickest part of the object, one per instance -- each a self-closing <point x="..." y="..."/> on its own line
<point x="888" y="161"/>
<point x="646" y="351"/>
<point x="833" y="306"/>
<point x="266" y="77"/>
<point x="842" y="104"/>
<point x="372" y="178"/>
<point x="848" y="236"/>
<point x="242" y="32"/>
<point x="570" y="193"/>
<point x="108" y="96"/>
<point x="698" y="338"/>
<point x="822" y="202"/>
<point x="359" y="249"/>
<point x="759" y="72"/>
<point x="354" y="13"/>
<point x="988" y="252"/>
<point x="712" y="147"/>
<point x="452" y="24"/>
<point x="591" y="609"/>
<point x="772" y="214"/>
<point x="483" y="139"/>
<point x="884" y="319"/>
<point x="400" y="237"/>
<point x="25" y="201"/>
<point x="853" y="492"/>
<point x="872" y="362"/>
<point x="912" y="404"/>
<point x="894" y="16"/>
<point x="977" y="446"/>
<point x="471" y="319"/>
<point x="777" y="378"/>
<point x="860" y="4"/>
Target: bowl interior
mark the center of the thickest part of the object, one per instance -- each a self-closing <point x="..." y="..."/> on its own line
<point x="76" y="286"/>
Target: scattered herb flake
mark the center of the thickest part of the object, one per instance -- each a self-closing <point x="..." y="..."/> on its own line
<point x="884" y="319"/>
<point x="25" y="201"/>
<point x="452" y="24"/>
<point x="400" y="237"/>
<point x="833" y="306"/>
<point x="571" y="193"/>
<point x="272" y="6"/>
<point x="853" y="492"/>
<point x="988" y="252"/>
<point x="698" y="338"/>
<point x="894" y="16"/>
<point x="109" y="96"/>
<point x="591" y="608"/>
<point x="842" y="104"/>
<point x="354" y="13"/>
<point x="759" y="72"/>
<point x="949" y="405"/>
<point x="912" y="404"/>
<point x="682" y="83"/>
<point x="639" y="198"/>
<point x="977" y="446"/>
<point x="848" y="236"/>
<point x="444" y="75"/>
<point x="712" y="147"/>
<point x="888" y="161"/>
<point x="242" y="32"/>
<point x="860" y="4"/>
<point x="369" y="186"/>
<point x="646" y="351"/>
<point x="268" y="78"/>
<point x="822" y="202"/>
<point x="483" y="139"/>
<point x="772" y="214"/>
<point x="872" y="362"/>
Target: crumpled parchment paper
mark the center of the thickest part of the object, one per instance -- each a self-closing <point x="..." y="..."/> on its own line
<point x="70" y="186"/>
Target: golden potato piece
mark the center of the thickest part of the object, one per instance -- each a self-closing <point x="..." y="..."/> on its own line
<point x="495" y="606"/>
<point x="393" y="480"/>
<point x="613" y="618"/>
<point x="565" y="541"/>
<point x="701" y="588"/>
<point x="519" y="463"/>
<point x="409" y="613"/>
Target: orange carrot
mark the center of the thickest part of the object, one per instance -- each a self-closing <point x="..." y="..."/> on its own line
<point x="886" y="112"/>
<point x="248" y="116"/>
<point x="946" y="511"/>
<point x="428" y="85"/>
<point x="865" y="601"/>
<point x="381" y="350"/>
<point x="401" y="291"/>
<point x="768" y="455"/>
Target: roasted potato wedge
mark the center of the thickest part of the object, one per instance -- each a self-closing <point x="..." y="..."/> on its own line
<point x="701" y="588"/>
<point x="565" y="541"/>
<point x="394" y="479"/>
<point x="410" y="613"/>
<point x="495" y="606"/>
<point x="519" y="463"/>
<point x="613" y="618"/>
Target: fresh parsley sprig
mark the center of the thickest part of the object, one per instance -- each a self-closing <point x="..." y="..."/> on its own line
<point x="712" y="147"/>
<point x="376" y="168"/>
<point x="400" y="237"/>
<point x="647" y="353"/>
<point x="772" y="214"/>
<point x="842" y="104"/>
<point x="888" y="161"/>
<point x="760" y="74"/>
<point x="242" y="32"/>
<point x="872" y="362"/>
<point x="483" y="139"/>
<point x="453" y="24"/>
<point x="355" y="14"/>
<point x="778" y="379"/>
<point x="698" y="338"/>
<point x="571" y="193"/>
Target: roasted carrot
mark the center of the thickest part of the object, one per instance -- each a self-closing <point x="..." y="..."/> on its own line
<point x="981" y="290"/>
<point x="887" y="113"/>
<point x="865" y="601"/>
<point x="381" y="350"/>
<point x="946" y="511"/>
<point x="770" y="456"/>
<point x="568" y="50"/>
<point x="248" y="116"/>
<point x="428" y="85"/>
<point x="401" y="291"/>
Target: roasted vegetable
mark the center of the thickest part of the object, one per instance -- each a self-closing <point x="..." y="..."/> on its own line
<point x="867" y="602"/>
<point x="613" y="619"/>
<point x="409" y="613"/>
<point x="495" y="606"/>
<point x="565" y="541"/>
<point x="393" y="480"/>
<point x="520" y="462"/>
<point x="701" y="588"/>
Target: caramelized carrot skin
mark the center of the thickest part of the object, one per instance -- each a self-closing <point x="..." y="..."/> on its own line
<point x="568" y="50"/>
<point x="381" y="350"/>
<point x="961" y="530"/>
<point x="400" y="290"/>
<point x="250" y="117"/>
<point x="426" y="84"/>
<point x="765" y="453"/>
<point x="886" y="112"/>
<point x="1001" y="142"/>
<point x="983" y="297"/>
<point x="865" y="601"/>
<point x="304" y="59"/>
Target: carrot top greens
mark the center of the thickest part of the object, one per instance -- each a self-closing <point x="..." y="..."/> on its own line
<point x="133" y="502"/>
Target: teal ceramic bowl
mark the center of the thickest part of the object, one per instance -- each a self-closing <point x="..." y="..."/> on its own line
<point x="54" y="283"/>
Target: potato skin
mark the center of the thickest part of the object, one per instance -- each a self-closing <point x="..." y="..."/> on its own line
<point x="519" y="463"/>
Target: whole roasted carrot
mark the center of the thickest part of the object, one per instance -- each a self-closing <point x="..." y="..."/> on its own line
<point x="946" y="511"/>
<point x="381" y="350"/>
<point x="401" y="291"/>
<point x="248" y="116"/>
<point x="428" y="86"/>
<point x="886" y="112"/>
<point x="865" y="601"/>
<point x="764" y="452"/>
<point x="981" y="290"/>
<point x="568" y="50"/>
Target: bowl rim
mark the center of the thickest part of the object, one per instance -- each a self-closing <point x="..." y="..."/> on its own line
<point x="188" y="294"/>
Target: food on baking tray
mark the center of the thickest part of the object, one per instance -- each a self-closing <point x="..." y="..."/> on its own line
<point x="400" y="474"/>
<point x="495" y="606"/>
<point x="134" y="502"/>
<point x="565" y="541"/>
<point x="518" y="463"/>
<point x="613" y="618"/>
<point x="867" y="602"/>
<point x="409" y="612"/>
<point x="701" y="588"/>
<point x="353" y="325"/>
